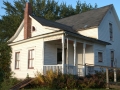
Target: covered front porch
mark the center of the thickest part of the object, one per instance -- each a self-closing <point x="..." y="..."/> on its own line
<point x="67" y="55"/>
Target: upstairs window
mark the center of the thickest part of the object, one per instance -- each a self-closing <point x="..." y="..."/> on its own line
<point x="100" y="57"/>
<point x="111" y="31"/>
<point x="17" y="60"/>
<point x="112" y="58"/>
<point x="30" y="59"/>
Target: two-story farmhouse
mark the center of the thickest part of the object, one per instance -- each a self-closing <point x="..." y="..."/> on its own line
<point x="91" y="37"/>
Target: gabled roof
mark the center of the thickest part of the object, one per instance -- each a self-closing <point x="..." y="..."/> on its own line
<point x="73" y="23"/>
<point x="87" y="19"/>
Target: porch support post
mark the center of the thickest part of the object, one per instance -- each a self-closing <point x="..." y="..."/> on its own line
<point x="74" y="56"/>
<point x="84" y="66"/>
<point x="115" y="75"/>
<point x="67" y="56"/>
<point x="63" y="53"/>
<point x="107" y="78"/>
<point x="43" y="55"/>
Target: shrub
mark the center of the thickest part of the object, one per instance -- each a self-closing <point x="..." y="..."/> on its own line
<point x="56" y="80"/>
<point x="45" y="80"/>
<point x="8" y="83"/>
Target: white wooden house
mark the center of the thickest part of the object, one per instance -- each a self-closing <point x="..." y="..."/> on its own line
<point x="91" y="37"/>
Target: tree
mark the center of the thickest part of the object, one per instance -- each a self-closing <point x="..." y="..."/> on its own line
<point x="48" y="9"/>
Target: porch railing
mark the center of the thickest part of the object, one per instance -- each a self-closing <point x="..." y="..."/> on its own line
<point x="55" y="68"/>
<point x="68" y="69"/>
<point x="80" y="72"/>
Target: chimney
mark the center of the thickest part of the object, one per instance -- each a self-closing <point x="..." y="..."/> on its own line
<point x="27" y="21"/>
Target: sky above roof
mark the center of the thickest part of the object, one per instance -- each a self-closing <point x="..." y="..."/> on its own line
<point x="100" y="3"/>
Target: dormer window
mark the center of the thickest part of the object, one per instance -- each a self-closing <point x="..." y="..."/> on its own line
<point x="33" y="28"/>
<point x="111" y="31"/>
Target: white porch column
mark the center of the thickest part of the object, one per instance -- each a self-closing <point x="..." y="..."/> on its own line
<point x="115" y="75"/>
<point x="43" y="55"/>
<point x="74" y="56"/>
<point x="67" y="60"/>
<point x="84" y="68"/>
<point x="63" y="53"/>
<point x="74" y="52"/>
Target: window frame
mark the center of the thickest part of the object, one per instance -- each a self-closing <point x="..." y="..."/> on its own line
<point x="17" y="60"/>
<point x="112" y="57"/>
<point x="31" y="59"/>
<point x="111" y="31"/>
<point x="100" y="52"/>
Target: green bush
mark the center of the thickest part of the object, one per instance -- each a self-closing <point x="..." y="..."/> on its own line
<point x="8" y="83"/>
<point x="111" y="75"/>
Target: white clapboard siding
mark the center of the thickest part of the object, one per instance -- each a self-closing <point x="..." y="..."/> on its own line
<point x="89" y="54"/>
<point x="79" y="54"/>
<point x="100" y="48"/>
<point x="104" y="35"/>
<point x="39" y="29"/>
<point x="93" y="32"/>
<point x="71" y="54"/>
<point x="50" y="54"/>
<point x="23" y="48"/>
<point x="20" y="36"/>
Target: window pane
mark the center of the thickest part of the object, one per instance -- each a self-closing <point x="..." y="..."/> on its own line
<point x="30" y="58"/>
<point x="100" y="57"/>
<point x="17" y="64"/>
<point x="111" y="31"/>
<point x="112" y="54"/>
<point x="17" y="58"/>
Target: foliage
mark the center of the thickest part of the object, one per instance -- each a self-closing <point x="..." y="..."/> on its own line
<point x="57" y="81"/>
<point x="48" y="9"/>
<point x="5" y="60"/>
<point x="93" y="81"/>
<point x="111" y="75"/>
<point x="67" y="81"/>
<point x="8" y="83"/>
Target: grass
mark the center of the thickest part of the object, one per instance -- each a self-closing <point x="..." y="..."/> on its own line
<point x="65" y="89"/>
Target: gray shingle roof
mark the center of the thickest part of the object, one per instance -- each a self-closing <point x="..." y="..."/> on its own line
<point x="87" y="19"/>
<point x="49" y="23"/>
<point x="77" y="22"/>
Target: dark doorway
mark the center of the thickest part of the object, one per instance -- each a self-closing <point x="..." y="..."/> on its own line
<point x="59" y="56"/>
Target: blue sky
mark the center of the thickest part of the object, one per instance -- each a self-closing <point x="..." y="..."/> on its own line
<point x="100" y="3"/>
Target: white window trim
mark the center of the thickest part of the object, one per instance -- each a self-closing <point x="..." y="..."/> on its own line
<point x="112" y="31"/>
<point x="30" y="48"/>
<point x="110" y="56"/>
<point x="19" y="50"/>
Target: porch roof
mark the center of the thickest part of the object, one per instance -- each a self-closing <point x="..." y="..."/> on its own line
<point x="87" y="38"/>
